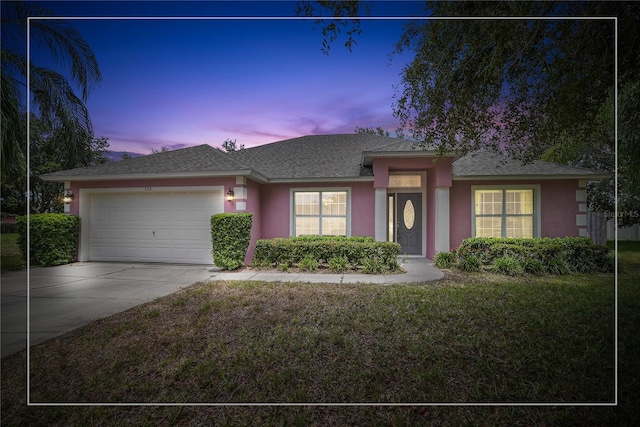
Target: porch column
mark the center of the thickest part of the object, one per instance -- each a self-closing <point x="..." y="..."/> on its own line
<point x="380" y="214"/>
<point x="442" y="242"/>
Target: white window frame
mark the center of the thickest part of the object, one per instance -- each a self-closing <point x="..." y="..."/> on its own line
<point x="536" y="204"/>
<point x="292" y="212"/>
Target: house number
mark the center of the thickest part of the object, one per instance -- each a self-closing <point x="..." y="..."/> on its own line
<point x="147" y="188"/>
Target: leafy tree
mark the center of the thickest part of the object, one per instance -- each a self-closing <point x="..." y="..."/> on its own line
<point x="331" y="31"/>
<point x="161" y="150"/>
<point x="531" y="88"/>
<point x="48" y="155"/>
<point x="53" y="98"/>
<point x="371" y="131"/>
<point x="378" y="130"/>
<point x="513" y="85"/>
<point x="230" y="145"/>
<point x="125" y="156"/>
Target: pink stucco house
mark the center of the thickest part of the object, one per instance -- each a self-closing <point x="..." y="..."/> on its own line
<point x="157" y="208"/>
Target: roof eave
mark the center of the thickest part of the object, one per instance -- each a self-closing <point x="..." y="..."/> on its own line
<point x="320" y="179"/>
<point x="368" y="156"/>
<point x="171" y="175"/>
<point x="593" y="177"/>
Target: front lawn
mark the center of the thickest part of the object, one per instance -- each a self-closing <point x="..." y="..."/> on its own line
<point x="10" y="256"/>
<point x="467" y="338"/>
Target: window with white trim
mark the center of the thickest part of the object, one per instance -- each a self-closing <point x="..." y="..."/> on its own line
<point x="320" y="213"/>
<point x="504" y="212"/>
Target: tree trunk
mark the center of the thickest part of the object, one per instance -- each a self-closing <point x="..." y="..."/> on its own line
<point x="596" y="227"/>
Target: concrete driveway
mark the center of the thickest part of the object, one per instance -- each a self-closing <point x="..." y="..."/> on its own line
<point x="67" y="297"/>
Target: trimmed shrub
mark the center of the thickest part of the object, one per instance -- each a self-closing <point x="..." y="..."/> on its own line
<point x="508" y="265"/>
<point x="562" y="255"/>
<point x="316" y="238"/>
<point x="511" y="250"/>
<point x="284" y="266"/>
<point x="372" y="266"/>
<point x="585" y="257"/>
<point x="394" y="265"/>
<point x="272" y="252"/>
<point x="445" y="260"/>
<point x="557" y="266"/>
<point x="548" y="250"/>
<point x="309" y="264"/>
<point x="230" y="238"/>
<point x="469" y="263"/>
<point x="355" y="250"/>
<point x="338" y="264"/>
<point x="532" y="266"/>
<point x="53" y="238"/>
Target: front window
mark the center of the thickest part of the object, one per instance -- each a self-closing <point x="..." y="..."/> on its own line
<point x="320" y="213"/>
<point x="504" y="212"/>
<point x="405" y="181"/>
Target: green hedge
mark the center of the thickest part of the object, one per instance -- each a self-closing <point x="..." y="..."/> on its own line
<point x="359" y="252"/>
<point x="559" y="255"/>
<point x="316" y="238"/>
<point x="230" y="238"/>
<point x="53" y="238"/>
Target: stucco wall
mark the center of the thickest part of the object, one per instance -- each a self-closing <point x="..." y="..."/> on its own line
<point x="274" y="211"/>
<point x="254" y="194"/>
<point x="558" y="207"/>
<point x="227" y="182"/>
<point x="271" y="203"/>
<point x="276" y="207"/>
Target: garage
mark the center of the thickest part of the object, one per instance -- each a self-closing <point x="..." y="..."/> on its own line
<point x="150" y="225"/>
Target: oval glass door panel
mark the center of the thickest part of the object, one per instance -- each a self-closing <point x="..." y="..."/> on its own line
<point x="409" y="214"/>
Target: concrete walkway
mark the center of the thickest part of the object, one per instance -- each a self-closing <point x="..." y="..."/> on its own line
<point x="417" y="270"/>
<point x="66" y="297"/>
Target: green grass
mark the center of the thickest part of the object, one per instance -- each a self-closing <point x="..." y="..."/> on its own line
<point x="10" y="256"/>
<point x="468" y="338"/>
<point x="628" y="254"/>
<point x="625" y="245"/>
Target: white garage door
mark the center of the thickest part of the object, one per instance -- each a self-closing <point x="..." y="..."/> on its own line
<point x="170" y="227"/>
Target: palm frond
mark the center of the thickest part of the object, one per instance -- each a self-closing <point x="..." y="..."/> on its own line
<point x="58" y="106"/>
<point x="52" y="96"/>
<point x="12" y="127"/>
<point x="67" y="46"/>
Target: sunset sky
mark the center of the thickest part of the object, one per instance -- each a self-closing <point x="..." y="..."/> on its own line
<point x="175" y="83"/>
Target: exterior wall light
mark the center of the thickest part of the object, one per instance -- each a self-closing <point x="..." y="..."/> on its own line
<point x="67" y="197"/>
<point x="230" y="195"/>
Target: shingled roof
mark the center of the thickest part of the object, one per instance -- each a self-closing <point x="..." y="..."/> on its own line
<point x="191" y="161"/>
<point x="314" y="156"/>
<point x="482" y="164"/>
<point x="311" y="158"/>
